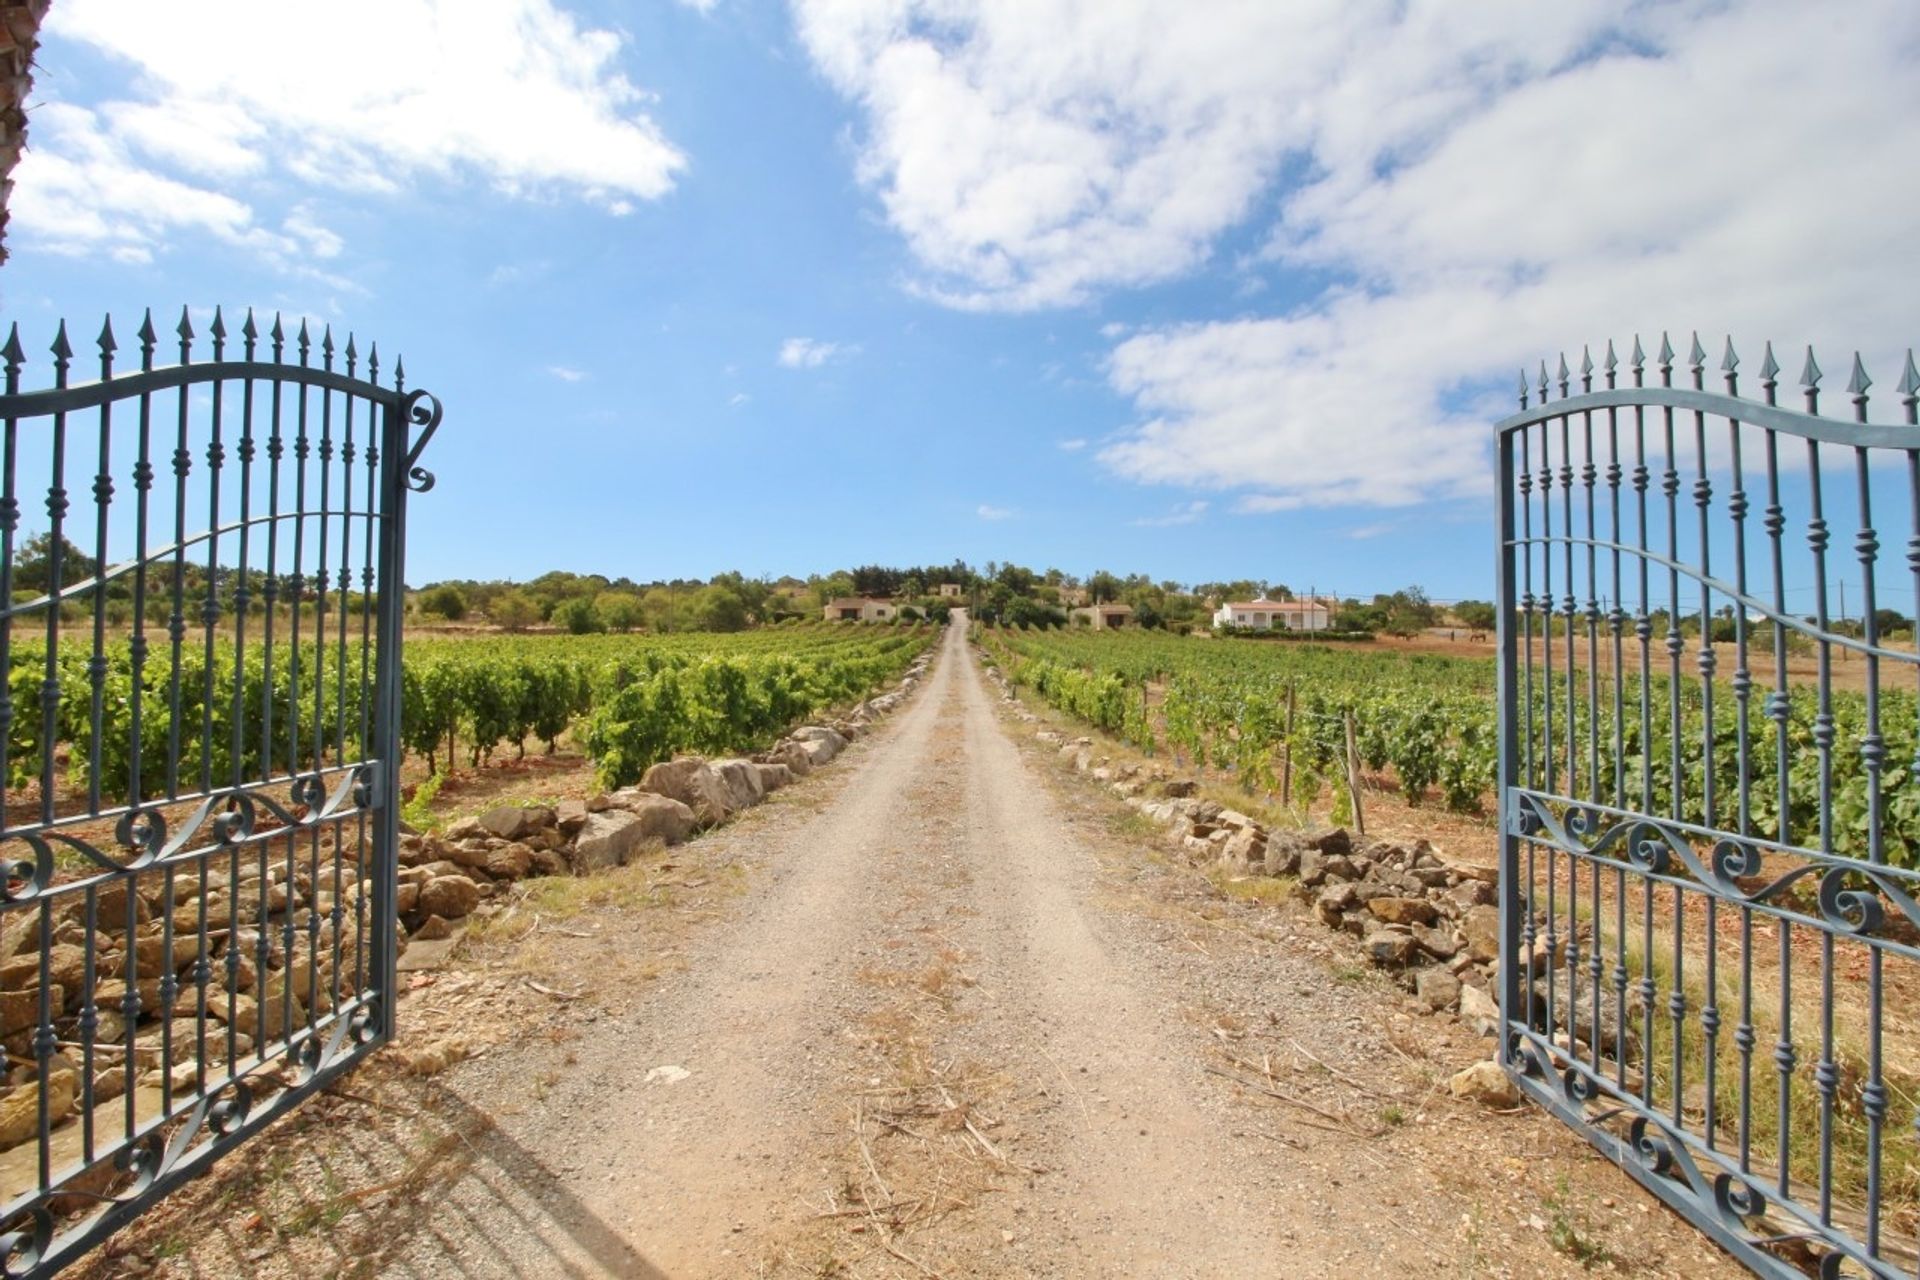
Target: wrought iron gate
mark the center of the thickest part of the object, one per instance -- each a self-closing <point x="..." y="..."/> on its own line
<point x="1710" y="798"/>
<point x="199" y="750"/>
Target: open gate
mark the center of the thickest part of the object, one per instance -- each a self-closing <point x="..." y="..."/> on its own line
<point x="1710" y="797"/>
<point x="201" y="594"/>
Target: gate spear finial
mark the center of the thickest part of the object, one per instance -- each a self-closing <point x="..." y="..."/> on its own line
<point x="185" y="330"/>
<point x="1769" y="373"/>
<point x="1857" y="386"/>
<point x="279" y="336"/>
<point x="1666" y="360"/>
<point x="1543" y="382"/>
<point x="62" y="354"/>
<point x="1810" y="379"/>
<point x="1586" y="367"/>
<point x="1910" y="390"/>
<point x="148" y="340"/>
<point x="251" y="332"/>
<point x="107" y="347"/>
<point x="13" y="353"/>
<point x="1728" y="364"/>
<point x="1563" y="375"/>
<point x="1638" y="359"/>
<point x="219" y="332"/>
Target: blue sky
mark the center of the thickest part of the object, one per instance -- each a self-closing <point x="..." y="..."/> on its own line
<point x="1200" y="293"/>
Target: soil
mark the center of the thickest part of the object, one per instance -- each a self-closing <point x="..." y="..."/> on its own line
<point x="942" y="1009"/>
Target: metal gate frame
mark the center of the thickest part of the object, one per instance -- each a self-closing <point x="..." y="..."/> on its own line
<point x="1608" y="1021"/>
<point x="248" y="897"/>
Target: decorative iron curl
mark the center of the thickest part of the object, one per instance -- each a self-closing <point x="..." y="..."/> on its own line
<point x="309" y="791"/>
<point x="421" y="409"/>
<point x="1579" y="1086"/>
<point x="1738" y="1198"/>
<point x="22" y="1247"/>
<point x="226" y="1116"/>
<point x="1732" y="860"/>
<point x="1854" y="911"/>
<point x="1653" y="1148"/>
<point x="144" y="1161"/>
<point x="142" y="831"/>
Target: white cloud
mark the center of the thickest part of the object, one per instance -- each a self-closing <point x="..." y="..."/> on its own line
<point x="1184" y="513"/>
<point x="1074" y="445"/>
<point x="987" y="511"/>
<point x="806" y="353"/>
<point x="737" y="399"/>
<point x="1381" y="394"/>
<point x="566" y="373"/>
<point x="1456" y="189"/>
<point x="514" y="92"/>
<point x="702" y="7"/>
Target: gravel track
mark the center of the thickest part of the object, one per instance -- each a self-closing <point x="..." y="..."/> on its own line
<point x="964" y="1024"/>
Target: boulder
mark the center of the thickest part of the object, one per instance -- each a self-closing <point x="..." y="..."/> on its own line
<point x="451" y="896"/>
<point x="792" y="755"/>
<point x="1407" y="911"/>
<point x="1486" y="1083"/>
<point x="1471" y="893"/>
<point x="463" y="829"/>
<point x="1245" y="847"/>
<point x="819" y="751"/>
<point x="509" y="862"/>
<point x="773" y="777"/>
<point x="569" y="816"/>
<point x="607" y="839"/>
<point x="836" y="743"/>
<point x="1333" y="904"/>
<point x="1436" y="988"/>
<point x="1479" y="1010"/>
<point x="742" y="779"/>
<point x="1481" y="925"/>
<point x="1335" y="843"/>
<point x="1179" y="787"/>
<point x="512" y="822"/>
<point x="1389" y="948"/>
<point x="695" y="784"/>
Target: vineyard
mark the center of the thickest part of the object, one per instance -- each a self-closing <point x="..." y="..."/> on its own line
<point x="1433" y="721"/>
<point x="272" y="708"/>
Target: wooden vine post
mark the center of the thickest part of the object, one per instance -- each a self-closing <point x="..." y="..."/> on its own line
<point x="1353" y="778"/>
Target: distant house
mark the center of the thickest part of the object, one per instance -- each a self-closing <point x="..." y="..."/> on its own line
<point x="1266" y="615"/>
<point x="949" y="591"/>
<point x="859" y="609"/>
<point x="1104" y="617"/>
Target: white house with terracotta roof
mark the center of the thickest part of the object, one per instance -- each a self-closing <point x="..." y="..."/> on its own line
<point x="1311" y="614"/>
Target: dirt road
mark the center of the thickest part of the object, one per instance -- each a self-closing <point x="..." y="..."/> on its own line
<point x="963" y="1021"/>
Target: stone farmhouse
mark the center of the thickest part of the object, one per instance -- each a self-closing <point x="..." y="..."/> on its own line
<point x="1103" y="617"/>
<point x="860" y="609"/>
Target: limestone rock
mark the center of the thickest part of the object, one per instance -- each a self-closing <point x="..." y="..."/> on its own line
<point x="451" y="896"/>
<point x="694" y="783"/>
<point x="1486" y="1083"/>
<point x="1389" y="948"/>
<point x="1479" y="1010"/>
<point x="661" y="817"/>
<point x="1481" y="925"/>
<point x="1407" y="911"/>
<point x="1436" y="988"/>
<point x="742" y="780"/>
<point x="773" y="777"/>
<point x="569" y="816"/>
<point x="512" y="822"/>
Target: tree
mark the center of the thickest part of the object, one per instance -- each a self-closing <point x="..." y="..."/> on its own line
<point x="511" y="609"/>
<point x="33" y="564"/>
<point x="718" y="608"/>
<point x="620" y="610"/>
<point x="1103" y="588"/>
<point x="444" y="601"/>
<point x="579" y="616"/>
<point x="1476" y="615"/>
